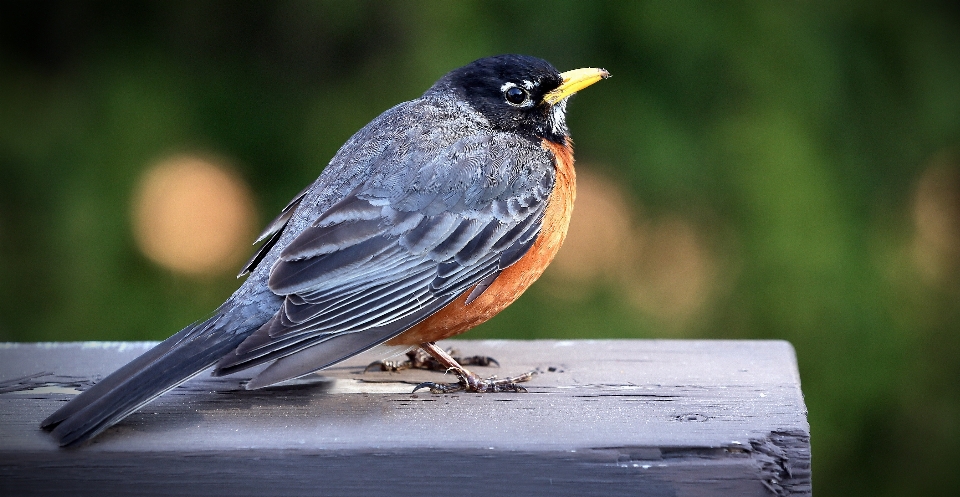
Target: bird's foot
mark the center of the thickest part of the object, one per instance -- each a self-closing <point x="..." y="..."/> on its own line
<point x="470" y="382"/>
<point x="430" y="357"/>
<point x="420" y="359"/>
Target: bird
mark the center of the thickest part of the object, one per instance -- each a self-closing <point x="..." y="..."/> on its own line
<point x="427" y="222"/>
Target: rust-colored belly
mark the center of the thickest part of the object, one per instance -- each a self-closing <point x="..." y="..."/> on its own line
<point x="458" y="317"/>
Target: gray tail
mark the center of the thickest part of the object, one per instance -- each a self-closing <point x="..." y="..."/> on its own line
<point x="158" y="370"/>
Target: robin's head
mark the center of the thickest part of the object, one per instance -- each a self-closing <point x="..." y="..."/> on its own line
<point x="519" y="93"/>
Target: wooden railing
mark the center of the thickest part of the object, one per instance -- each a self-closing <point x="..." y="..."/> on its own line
<point x="605" y="417"/>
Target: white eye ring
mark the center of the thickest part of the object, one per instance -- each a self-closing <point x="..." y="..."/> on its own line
<point x="516" y="95"/>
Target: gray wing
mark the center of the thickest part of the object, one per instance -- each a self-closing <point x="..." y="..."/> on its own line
<point x="409" y="240"/>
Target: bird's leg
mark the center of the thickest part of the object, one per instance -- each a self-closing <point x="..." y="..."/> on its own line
<point x="419" y="359"/>
<point x="469" y="381"/>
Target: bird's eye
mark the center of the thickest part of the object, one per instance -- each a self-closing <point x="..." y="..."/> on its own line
<point x="516" y="95"/>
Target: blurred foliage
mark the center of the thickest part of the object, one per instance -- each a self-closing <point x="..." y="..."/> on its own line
<point x="792" y="135"/>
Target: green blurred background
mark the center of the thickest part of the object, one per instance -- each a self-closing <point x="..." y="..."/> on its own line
<point x="784" y="170"/>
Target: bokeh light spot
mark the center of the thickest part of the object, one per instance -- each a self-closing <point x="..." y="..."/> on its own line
<point x="662" y="266"/>
<point x="936" y="219"/>
<point x="193" y="215"/>
<point x="599" y="242"/>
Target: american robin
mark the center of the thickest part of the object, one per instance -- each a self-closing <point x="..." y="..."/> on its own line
<point x="430" y="220"/>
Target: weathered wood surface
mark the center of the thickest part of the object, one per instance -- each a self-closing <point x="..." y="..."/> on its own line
<point x="617" y="417"/>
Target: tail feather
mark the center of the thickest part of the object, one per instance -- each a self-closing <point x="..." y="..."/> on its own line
<point x="172" y="362"/>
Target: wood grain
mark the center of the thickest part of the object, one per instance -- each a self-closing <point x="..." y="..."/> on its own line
<point x="609" y="417"/>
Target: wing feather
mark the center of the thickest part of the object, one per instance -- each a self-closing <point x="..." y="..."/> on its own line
<point x="273" y="231"/>
<point x="399" y="247"/>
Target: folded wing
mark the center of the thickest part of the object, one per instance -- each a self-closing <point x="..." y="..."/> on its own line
<point x="397" y="249"/>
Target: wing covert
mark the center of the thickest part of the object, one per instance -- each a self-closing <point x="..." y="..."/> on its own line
<point x="401" y="246"/>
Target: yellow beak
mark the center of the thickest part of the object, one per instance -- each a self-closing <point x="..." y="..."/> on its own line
<point x="574" y="81"/>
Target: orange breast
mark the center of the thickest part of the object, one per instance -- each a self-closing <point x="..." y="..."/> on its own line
<point x="458" y="317"/>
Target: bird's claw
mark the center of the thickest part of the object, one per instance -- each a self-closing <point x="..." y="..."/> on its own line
<point x="477" y="360"/>
<point x="418" y="359"/>
<point x="471" y="383"/>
